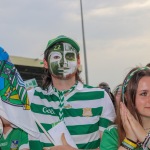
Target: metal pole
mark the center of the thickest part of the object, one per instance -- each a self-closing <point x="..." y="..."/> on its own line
<point x="84" y="47"/>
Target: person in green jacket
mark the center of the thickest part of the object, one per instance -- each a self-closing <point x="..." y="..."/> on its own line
<point x="132" y="129"/>
<point x="12" y="138"/>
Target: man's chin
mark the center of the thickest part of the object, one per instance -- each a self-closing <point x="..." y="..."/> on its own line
<point x="61" y="77"/>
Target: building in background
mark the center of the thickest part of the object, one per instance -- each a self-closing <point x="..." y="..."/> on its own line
<point x="29" y="68"/>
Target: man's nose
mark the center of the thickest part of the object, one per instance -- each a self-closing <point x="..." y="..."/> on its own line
<point x="63" y="62"/>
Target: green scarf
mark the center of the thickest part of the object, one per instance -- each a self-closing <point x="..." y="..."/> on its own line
<point x="61" y="99"/>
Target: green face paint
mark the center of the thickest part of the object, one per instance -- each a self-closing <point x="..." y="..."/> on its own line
<point x="62" y="60"/>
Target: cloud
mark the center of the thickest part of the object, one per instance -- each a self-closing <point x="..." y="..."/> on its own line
<point x="137" y="5"/>
<point x="119" y="9"/>
<point x="116" y="32"/>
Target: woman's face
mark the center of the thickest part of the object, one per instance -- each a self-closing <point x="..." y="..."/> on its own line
<point x="143" y="97"/>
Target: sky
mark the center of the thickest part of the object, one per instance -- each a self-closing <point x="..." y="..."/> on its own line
<point x="117" y="33"/>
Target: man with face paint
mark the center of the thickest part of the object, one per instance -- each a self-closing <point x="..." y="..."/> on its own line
<point x="86" y="111"/>
<point x="62" y="61"/>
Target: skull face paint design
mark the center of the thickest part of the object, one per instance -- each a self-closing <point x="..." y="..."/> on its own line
<point x="62" y="60"/>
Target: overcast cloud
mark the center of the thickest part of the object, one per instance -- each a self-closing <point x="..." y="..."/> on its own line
<point x="117" y="32"/>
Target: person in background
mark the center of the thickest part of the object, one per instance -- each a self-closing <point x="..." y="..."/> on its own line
<point x="132" y="129"/>
<point x="148" y="65"/>
<point x="12" y="138"/>
<point x="105" y="86"/>
<point x="117" y="94"/>
<point x="3" y="54"/>
<point x="86" y="111"/>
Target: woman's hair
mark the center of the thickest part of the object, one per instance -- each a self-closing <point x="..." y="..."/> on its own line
<point x="47" y="79"/>
<point x="115" y="92"/>
<point x="129" y="90"/>
<point x="116" y="89"/>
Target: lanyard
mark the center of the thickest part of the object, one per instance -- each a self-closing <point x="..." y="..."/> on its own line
<point x="61" y="99"/>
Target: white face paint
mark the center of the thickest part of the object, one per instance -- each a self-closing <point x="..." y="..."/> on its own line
<point x="62" y="61"/>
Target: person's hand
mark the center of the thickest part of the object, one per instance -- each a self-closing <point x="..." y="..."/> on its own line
<point x="138" y="130"/>
<point x="65" y="145"/>
<point x="126" y="124"/>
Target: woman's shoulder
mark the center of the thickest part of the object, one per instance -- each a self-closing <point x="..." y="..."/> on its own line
<point x="109" y="138"/>
<point x="112" y="130"/>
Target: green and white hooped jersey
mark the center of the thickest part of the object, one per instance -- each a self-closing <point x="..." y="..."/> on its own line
<point x="15" y="139"/>
<point x="87" y="110"/>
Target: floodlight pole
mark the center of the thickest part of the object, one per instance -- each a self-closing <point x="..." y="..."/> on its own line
<point x="84" y="47"/>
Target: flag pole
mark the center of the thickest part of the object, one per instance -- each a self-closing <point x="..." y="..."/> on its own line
<point x="45" y="132"/>
<point x="84" y="46"/>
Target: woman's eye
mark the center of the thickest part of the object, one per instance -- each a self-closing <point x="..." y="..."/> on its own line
<point x="144" y="94"/>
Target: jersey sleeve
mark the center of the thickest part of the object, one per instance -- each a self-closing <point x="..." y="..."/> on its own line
<point x="109" y="139"/>
<point x="24" y="141"/>
<point x="108" y="113"/>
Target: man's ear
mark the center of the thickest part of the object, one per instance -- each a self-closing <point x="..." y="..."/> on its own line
<point x="78" y="60"/>
<point x="79" y="64"/>
<point x="45" y="64"/>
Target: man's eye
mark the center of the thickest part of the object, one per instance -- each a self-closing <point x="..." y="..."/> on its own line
<point x="56" y="57"/>
<point x="70" y="56"/>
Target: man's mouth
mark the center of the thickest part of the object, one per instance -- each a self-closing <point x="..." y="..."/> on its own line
<point x="63" y="68"/>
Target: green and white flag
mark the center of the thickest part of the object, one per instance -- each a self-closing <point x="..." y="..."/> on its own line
<point x="14" y="102"/>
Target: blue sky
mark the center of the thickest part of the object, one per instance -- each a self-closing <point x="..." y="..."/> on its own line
<point x="117" y="32"/>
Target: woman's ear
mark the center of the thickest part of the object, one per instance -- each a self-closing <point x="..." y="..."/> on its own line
<point x="125" y="96"/>
<point x="45" y="64"/>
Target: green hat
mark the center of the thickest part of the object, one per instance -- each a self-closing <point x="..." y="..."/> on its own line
<point x="63" y="38"/>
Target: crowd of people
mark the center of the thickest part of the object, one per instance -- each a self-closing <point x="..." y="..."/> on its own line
<point x="94" y="117"/>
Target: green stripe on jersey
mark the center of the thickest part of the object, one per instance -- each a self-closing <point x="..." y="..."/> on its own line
<point x="87" y="96"/>
<point x="105" y="122"/>
<point x="79" y="112"/>
<point x="41" y="109"/>
<point x="37" y="145"/>
<point x="88" y="86"/>
<point x="89" y="145"/>
<point x="47" y="97"/>
<point x="83" y="129"/>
